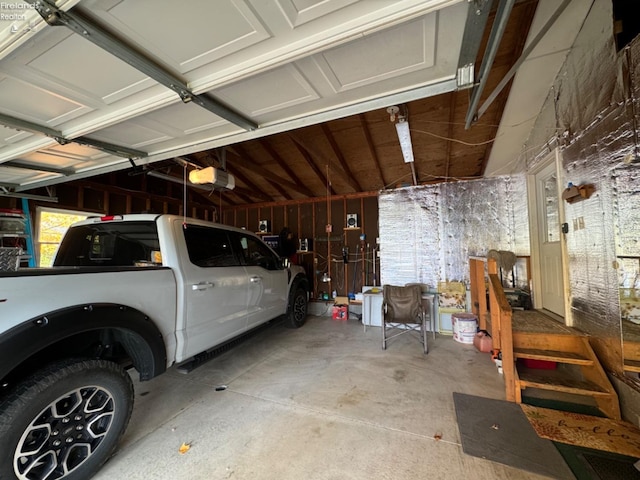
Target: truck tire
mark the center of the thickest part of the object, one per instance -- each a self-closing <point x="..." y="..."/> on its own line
<point x="297" y="310"/>
<point x="64" y="421"/>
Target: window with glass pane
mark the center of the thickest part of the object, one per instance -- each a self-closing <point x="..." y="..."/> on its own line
<point x="552" y="220"/>
<point x="209" y="247"/>
<point x="52" y="225"/>
<point x="256" y="253"/>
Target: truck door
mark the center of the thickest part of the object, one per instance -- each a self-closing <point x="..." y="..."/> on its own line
<point x="268" y="280"/>
<point x="215" y="286"/>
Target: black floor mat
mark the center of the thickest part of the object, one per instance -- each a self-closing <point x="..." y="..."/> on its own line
<point x="499" y="431"/>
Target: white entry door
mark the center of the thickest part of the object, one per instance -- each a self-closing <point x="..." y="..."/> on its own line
<point x="549" y="238"/>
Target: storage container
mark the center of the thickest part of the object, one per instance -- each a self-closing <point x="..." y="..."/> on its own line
<point x="483" y="342"/>
<point x="340" y="312"/>
<point x="465" y="326"/>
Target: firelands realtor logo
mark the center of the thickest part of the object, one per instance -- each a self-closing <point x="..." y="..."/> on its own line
<point x="15" y="12"/>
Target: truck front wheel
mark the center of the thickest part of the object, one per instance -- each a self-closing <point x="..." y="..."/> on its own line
<point x="64" y="421"/>
<point x="297" y="310"/>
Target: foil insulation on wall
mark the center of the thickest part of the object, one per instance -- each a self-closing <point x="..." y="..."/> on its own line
<point x="427" y="234"/>
<point x="591" y="111"/>
<point x="585" y="86"/>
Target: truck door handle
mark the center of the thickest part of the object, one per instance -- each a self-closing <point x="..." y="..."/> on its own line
<point x="201" y="285"/>
<point x="256" y="279"/>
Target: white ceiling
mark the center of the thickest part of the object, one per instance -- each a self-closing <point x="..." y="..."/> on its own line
<point x="282" y="64"/>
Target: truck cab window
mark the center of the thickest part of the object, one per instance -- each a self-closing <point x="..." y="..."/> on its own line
<point x="209" y="247"/>
<point x="256" y="253"/>
<point x="109" y="244"/>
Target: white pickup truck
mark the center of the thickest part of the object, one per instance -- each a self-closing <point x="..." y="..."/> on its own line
<point x="143" y="291"/>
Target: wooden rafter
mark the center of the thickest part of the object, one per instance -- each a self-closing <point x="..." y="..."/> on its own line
<point x="244" y="195"/>
<point x="338" y="153"/>
<point x="257" y="169"/>
<point x="255" y="190"/>
<point x="309" y="159"/>
<point x="279" y="160"/>
<point x="371" y="148"/>
<point x="326" y="160"/>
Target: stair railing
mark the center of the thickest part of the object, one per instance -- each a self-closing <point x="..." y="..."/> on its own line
<point x="500" y="313"/>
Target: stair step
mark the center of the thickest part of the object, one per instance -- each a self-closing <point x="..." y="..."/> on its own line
<point x="552" y="356"/>
<point x="631" y="366"/>
<point x="560" y="383"/>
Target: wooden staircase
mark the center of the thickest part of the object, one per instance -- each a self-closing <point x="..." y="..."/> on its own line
<point x="577" y="371"/>
<point x="525" y="338"/>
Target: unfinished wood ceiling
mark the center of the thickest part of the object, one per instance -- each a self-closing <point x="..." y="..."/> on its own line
<point x="289" y="96"/>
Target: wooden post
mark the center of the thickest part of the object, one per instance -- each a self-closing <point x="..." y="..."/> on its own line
<point x="478" y="290"/>
<point x="502" y="335"/>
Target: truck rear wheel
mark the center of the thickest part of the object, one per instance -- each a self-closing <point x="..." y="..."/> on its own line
<point x="64" y="421"/>
<point x="297" y="310"/>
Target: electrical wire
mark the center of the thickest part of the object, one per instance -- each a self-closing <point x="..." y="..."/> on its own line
<point x="469" y="144"/>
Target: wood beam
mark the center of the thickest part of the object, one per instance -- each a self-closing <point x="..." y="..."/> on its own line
<point x="307" y="156"/>
<point x="244" y="154"/>
<point x="283" y="165"/>
<point x="353" y="181"/>
<point x="267" y="174"/>
<point x="372" y="150"/>
<point x="319" y="157"/>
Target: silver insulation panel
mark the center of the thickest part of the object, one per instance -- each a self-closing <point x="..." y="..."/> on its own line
<point x="592" y="110"/>
<point x="428" y="233"/>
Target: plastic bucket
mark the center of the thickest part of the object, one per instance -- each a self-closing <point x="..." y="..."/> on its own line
<point x="465" y="326"/>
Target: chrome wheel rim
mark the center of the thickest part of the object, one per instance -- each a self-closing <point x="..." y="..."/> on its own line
<point x="64" y="434"/>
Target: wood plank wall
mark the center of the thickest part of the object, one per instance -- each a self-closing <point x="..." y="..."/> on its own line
<point x="308" y="219"/>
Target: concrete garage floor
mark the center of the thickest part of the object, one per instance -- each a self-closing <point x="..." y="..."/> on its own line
<point x="321" y="402"/>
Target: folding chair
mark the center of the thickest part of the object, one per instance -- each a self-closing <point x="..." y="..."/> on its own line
<point x="403" y="312"/>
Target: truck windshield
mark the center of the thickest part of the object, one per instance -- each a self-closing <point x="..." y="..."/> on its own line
<point x="115" y="244"/>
